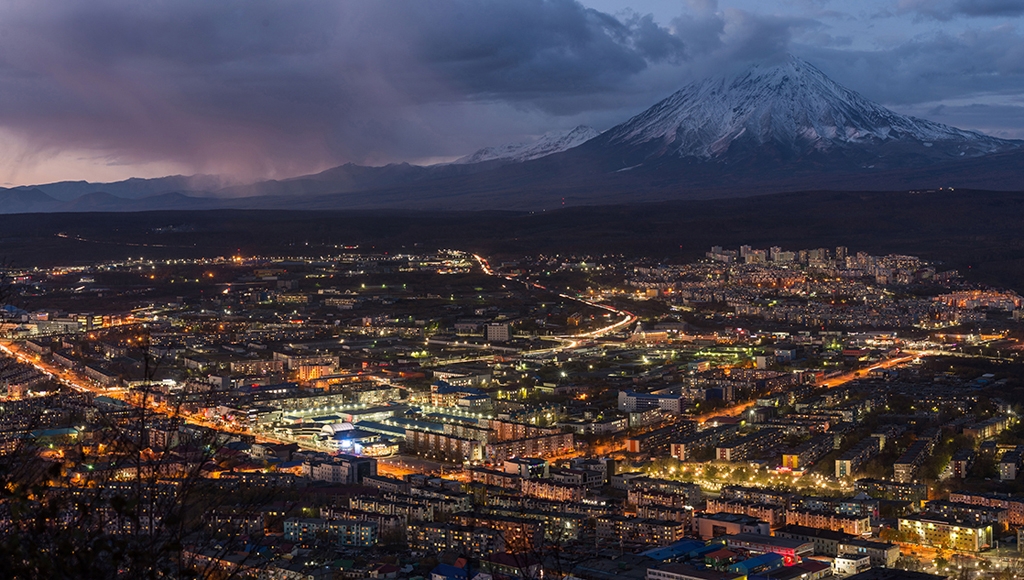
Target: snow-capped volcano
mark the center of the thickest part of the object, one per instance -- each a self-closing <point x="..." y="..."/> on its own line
<point x="789" y="110"/>
<point x="548" y="143"/>
<point x="781" y="127"/>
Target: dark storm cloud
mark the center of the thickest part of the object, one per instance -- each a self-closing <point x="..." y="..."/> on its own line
<point x="949" y="9"/>
<point x="261" y="87"/>
<point x="733" y="34"/>
<point x="274" y="86"/>
<point x="1004" y="121"/>
<point x="930" y="69"/>
<point x="724" y="41"/>
<point x="520" y="49"/>
<point x="970" y="80"/>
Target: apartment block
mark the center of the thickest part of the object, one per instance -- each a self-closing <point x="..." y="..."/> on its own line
<point x="907" y="465"/>
<point x="853" y="525"/>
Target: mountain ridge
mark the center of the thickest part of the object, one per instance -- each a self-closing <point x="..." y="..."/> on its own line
<point x="779" y="127"/>
<point x="790" y="110"/>
<point x="547" y="144"/>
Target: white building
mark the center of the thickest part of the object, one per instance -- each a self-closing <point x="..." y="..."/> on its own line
<point x="497" y="332"/>
<point x="849" y="564"/>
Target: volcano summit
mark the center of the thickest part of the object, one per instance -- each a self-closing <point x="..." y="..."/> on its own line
<point x="774" y="127"/>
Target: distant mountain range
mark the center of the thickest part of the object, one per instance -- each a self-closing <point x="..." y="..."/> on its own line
<point x="779" y="127"/>
<point x="548" y="144"/>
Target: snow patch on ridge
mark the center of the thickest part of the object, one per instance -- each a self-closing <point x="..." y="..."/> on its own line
<point x="548" y="144"/>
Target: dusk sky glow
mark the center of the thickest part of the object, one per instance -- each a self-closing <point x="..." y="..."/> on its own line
<point x="112" y="89"/>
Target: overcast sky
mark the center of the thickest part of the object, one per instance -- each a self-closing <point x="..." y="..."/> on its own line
<point x="107" y="89"/>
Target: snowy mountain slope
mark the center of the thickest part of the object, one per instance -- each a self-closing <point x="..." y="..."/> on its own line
<point x="778" y="127"/>
<point x="549" y="143"/>
<point x="791" y="109"/>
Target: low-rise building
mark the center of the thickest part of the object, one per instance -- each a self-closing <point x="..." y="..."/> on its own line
<point x="386" y="484"/>
<point x="850" y="461"/>
<point x="892" y="490"/>
<point x="757" y="495"/>
<point x="578" y="477"/>
<point x="849" y="564"/>
<point x="826" y="542"/>
<point x="1009" y="463"/>
<point x="988" y="428"/>
<point x="443" y="445"/>
<point x="527" y="467"/>
<point x="551" y="490"/>
<point x="344" y="532"/>
<point x="775" y="515"/>
<point x="792" y="551"/>
<point x="603" y="426"/>
<point x="759" y="444"/>
<point x="684" y="449"/>
<point x="905" y="468"/>
<point x="808" y="452"/>
<point x="621" y="529"/>
<point x="881" y="554"/>
<point x="495" y="478"/>
<point x="632" y="402"/>
<point x="519" y="534"/>
<point x="1014" y="505"/>
<point x="648" y="490"/>
<point x="659" y="441"/>
<point x="686" y="571"/>
<point x="344" y="469"/>
<point x="948" y="533"/>
<point x="854" y="525"/>
<point x="962" y="462"/>
<point x="972" y="513"/>
<point x="666" y="513"/>
<point x="859" y="505"/>
<point x="763" y="564"/>
<point x="541" y="446"/>
<point x="708" y="525"/>
<point x="435" y="538"/>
